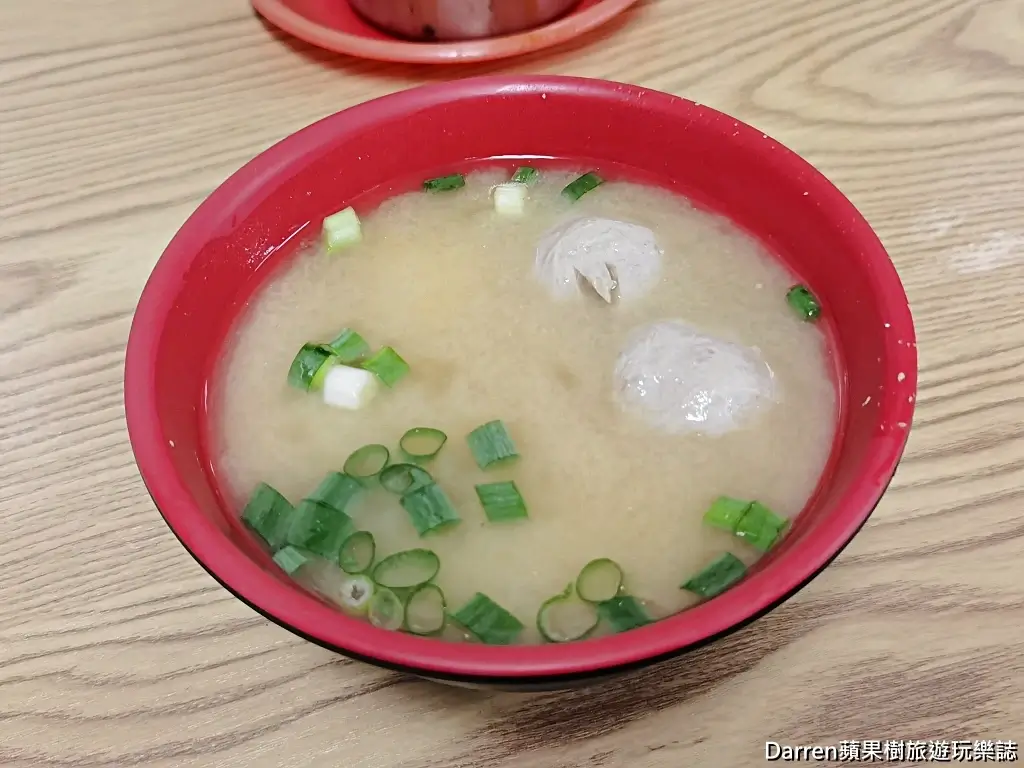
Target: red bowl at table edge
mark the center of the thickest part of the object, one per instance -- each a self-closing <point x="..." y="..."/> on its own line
<point x="202" y="280"/>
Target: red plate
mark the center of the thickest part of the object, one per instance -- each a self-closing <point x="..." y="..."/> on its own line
<point x="332" y="24"/>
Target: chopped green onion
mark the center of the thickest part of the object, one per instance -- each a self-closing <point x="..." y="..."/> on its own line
<point x="564" y="618"/>
<point x="760" y="527"/>
<point x="349" y="346"/>
<point x="445" y="183"/>
<point x="410" y="568"/>
<point x="386" y="610"/>
<point x="367" y="462"/>
<point x="357" y="552"/>
<point x="725" y="571"/>
<point x="803" y="303"/>
<point x="319" y="529"/>
<point x="487" y="621"/>
<point x="387" y="365"/>
<point x="267" y="514"/>
<point x="525" y="175"/>
<point x="623" y="613"/>
<point x="425" y="610"/>
<point x="501" y="501"/>
<point x="404" y="478"/>
<point x="422" y="443"/>
<point x="574" y="190"/>
<point x="355" y="594"/>
<point x="336" y="490"/>
<point x="599" y="580"/>
<point x="429" y="509"/>
<point x="342" y="229"/>
<point x="490" y="444"/>
<point x="290" y="559"/>
<point x="725" y="513"/>
<point x="310" y="366"/>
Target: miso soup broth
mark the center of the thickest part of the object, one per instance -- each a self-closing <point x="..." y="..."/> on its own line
<point x="666" y="403"/>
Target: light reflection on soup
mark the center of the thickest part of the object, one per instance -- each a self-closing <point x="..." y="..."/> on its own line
<point x="451" y="285"/>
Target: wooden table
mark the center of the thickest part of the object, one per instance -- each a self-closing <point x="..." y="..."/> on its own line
<point x="116" y="649"/>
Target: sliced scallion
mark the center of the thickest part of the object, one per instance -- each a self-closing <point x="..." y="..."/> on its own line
<point x="387" y="365"/>
<point x="355" y="594"/>
<point x="425" y="610"/>
<point x="445" y="183"/>
<point x="501" y="501"/>
<point x="357" y="552"/>
<point x="404" y="478"/>
<point x="336" y="490"/>
<point x="349" y="346"/>
<point x="367" y="462"/>
<point x="429" y="508"/>
<point x="565" y="617"/>
<point x="803" y="303"/>
<point x="385" y="609"/>
<point x="410" y="568"/>
<point x="267" y="514"/>
<point x="574" y="190"/>
<point x="525" y="175"/>
<point x="623" y="613"/>
<point x="487" y="621"/>
<point x="290" y="559"/>
<point x="599" y="580"/>
<point x="491" y="444"/>
<point x="319" y="529"/>
<point x="725" y="512"/>
<point x="760" y="527"/>
<point x="341" y="229"/>
<point x="310" y="366"/>
<point x="713" y="580"/>
<point x="422" y="443"/>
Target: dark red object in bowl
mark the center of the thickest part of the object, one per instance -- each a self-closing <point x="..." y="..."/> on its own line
<point x="365" y="154"/>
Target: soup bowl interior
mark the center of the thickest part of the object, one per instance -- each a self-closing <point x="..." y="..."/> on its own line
<point x="258" y="218"/>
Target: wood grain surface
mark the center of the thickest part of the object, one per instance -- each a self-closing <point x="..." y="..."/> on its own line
<point x="116" y="649"/>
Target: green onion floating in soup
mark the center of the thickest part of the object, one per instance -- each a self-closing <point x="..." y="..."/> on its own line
<point x="525" y="175"/>
<point x="445" y="183"/>
<point x="349" y="347"/>
<point x="599" y="580"/>
<point x="725" y="512"/>
<point x="336" y="490"/>
<point x="268" y="515"/>
<point x="387" y="365"/>
<point x="422" y="443"/>
<point x="803" y="303"/>
<point x="357" y="552"/>
<point x="367" y="462"/>
<point x="487" y="621"/>
<point x="290" y="559"/>
<point x="501" y="501"/>
<point x="429" y="509"/>
<point x="341" y="229"/>
<point x="404" y="478"/>
<point x="576" y="189"/>
<point x="385" y="609"/>
<point x="407" y="569"/>
<point x="355" y="594"/>
<point x="491" y="444"/>
<point x="319" y="529"/>
<point x="425" y="610"/>
<point x="565" y="617"/>
<point x="310" y="366"/>
<point x="623" y="613"/>
<point x="760" y="527"/>
<point x="726" y="570"/>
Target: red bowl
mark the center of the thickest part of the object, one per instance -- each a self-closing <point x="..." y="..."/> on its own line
<point x="257" y="218"/>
